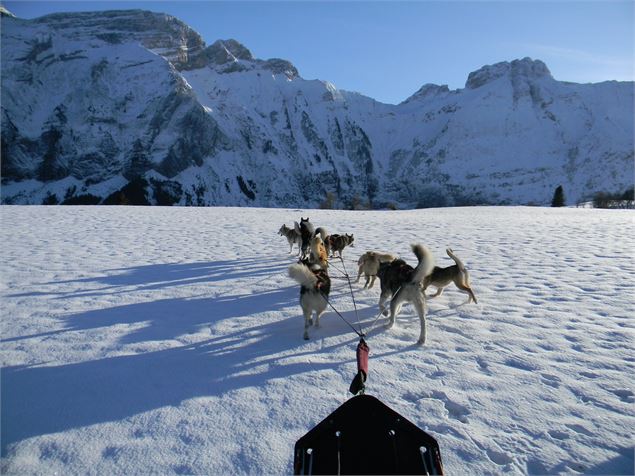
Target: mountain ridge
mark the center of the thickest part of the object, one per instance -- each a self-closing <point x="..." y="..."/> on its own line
<point x="96" y="102"/>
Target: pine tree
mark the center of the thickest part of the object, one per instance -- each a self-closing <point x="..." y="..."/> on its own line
<point x="50" y="168"/>
<point x="137" y="163"/>
<point x="329" y="201"/>
<point x="558" y="197"/>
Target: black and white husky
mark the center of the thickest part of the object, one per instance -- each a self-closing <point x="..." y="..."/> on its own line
<point x="315" y="286"/>
<point x="401" y="283"/>
<point x="306" y="230"/>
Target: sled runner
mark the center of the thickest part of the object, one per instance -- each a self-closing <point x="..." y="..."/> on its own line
<point x="364" y="436"/>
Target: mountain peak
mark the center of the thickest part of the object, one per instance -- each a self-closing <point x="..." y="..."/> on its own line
<point x="159" y="32"/>
<point x="227" y="55"/>
<point x="428" y="91"/>
<point x="526" y="67"/>
<point x="225" y="51"/>
<point x="5" y="13"/>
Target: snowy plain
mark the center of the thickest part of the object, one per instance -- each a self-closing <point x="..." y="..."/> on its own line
<point x="151" y="340"/>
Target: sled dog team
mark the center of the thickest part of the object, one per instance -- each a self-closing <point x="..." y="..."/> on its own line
<point x="399" y="281"/>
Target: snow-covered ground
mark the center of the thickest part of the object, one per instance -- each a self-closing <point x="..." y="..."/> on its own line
<point x="169" y="340"/>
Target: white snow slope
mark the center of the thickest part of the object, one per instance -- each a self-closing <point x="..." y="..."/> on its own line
<point x="169" y="340"/>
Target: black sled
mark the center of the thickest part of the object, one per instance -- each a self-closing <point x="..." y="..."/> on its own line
<point x="364" y="436"/>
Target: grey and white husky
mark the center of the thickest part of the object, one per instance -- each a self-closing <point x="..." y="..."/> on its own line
<point x="441" y="277"/>
<point x="292" y="237"/>
<point x="401" y="283"/>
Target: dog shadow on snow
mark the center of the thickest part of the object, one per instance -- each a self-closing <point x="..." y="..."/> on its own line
<point x="244" y="333"/>
<point x="159" y="276"/>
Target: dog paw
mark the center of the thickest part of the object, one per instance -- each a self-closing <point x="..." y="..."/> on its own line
<point x="306" y="336"/>
<point x="421" y="341"/>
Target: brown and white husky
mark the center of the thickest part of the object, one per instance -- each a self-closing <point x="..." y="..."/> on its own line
<point x="368" y="264"/>
<point x="441" y="277"/>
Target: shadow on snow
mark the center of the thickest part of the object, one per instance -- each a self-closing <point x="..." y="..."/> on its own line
<point x="48" y="399"/>
<point x="162" y="276"/>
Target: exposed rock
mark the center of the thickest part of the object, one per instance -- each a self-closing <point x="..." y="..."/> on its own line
<point x="280" y="66"/>
<point x="525" y="68"/>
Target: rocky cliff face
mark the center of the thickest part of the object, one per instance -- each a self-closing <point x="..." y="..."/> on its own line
<point x="133" y="107"/>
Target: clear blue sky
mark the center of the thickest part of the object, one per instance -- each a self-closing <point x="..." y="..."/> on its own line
<point x="387" y="50"/>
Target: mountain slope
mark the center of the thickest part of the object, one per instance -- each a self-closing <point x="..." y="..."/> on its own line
<point x="133" y="107"/>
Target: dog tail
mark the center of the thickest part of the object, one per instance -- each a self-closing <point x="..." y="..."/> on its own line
<point x="456" y="259"/>
<point x="322" y="232"/>
<point x="426" y="263"/>
<point x="303" y="275"/>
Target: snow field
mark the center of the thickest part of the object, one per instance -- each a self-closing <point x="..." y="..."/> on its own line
<point x="169" y="340"/>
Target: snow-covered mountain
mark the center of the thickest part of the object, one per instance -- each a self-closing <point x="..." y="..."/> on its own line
<point x="133" y="106"/>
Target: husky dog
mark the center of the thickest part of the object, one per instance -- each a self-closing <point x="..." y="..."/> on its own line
<point x="320" y="230"/>
<point x="306" y="231"/>
<point x="369" y="265"/>
<point x="291" y="235"/>
<point x="339" y="242"/>
<point x="441" y="277"/>
<point x="318" y="252"/>
<point x="315" y="286"/>
<point x="402" y="282"/>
